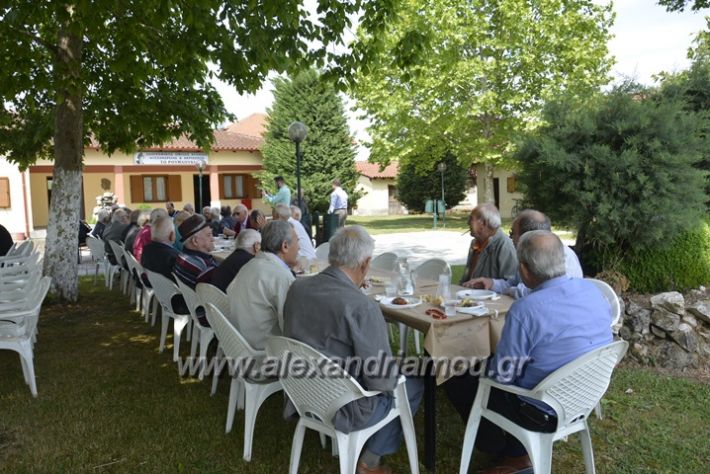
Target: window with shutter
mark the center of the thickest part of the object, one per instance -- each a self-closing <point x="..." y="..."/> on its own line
<point x="5" y="193"/>
<point x="233" y="186"/>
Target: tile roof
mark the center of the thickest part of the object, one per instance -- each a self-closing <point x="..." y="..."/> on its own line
<point x="372" y="170"/>
<point x="238" y="136"/>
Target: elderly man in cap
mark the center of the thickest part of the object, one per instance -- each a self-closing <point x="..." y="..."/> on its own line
<point x="257" y="293"/>
<point x="195" y="264"/>
<point x="248" y="245"/>
<point x="492" y="253"/>
<point x="561" y="319"/>
<point x="526" y="221"/>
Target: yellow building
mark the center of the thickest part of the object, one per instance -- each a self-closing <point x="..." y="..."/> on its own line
<point x="153" y="176"/>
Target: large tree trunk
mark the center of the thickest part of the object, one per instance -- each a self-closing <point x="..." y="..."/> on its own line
<point x="60" y="259"/>
<point x="488" y="196"/>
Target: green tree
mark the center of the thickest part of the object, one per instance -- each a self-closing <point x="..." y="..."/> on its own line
<point x="680" y="5"/>
<point x="621" y="170"/>
<point x="135" y="74"/>
<point x="416" y="185"/>
<point x="328" y="152"/>
<point x="467" y="76"/>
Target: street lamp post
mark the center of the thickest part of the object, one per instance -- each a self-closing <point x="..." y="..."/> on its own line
<point x="200" y="167"/>
<point x="297" y="132"/>
<point x="442" y="167"/>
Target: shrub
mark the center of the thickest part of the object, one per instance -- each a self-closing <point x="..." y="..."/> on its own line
<point x="418" y="182"/>
<point x="683" y="264"/>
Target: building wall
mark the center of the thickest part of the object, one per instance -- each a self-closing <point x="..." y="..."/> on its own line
<point x="376" y="200"/>
<point x="119" y="168"/>
<point x="17" y="219"/>
<point x="507" y="199"/>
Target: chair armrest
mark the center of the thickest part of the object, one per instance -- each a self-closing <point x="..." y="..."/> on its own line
<point x="510" y="388"/>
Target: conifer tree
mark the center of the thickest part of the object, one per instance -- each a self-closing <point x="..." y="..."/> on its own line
<point x="328" y="152"/>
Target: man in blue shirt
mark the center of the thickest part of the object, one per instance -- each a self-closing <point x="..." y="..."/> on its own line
<point x="282" y="196"/>
<point x="560" y="319"/>
<point x="338" y="203"/>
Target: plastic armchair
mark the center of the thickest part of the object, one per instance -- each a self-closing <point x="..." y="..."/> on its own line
<point x="318" y="398"/>
<point x="205" y="333"/>
<point x="21" y="249"/>
<point x="322" y="251"/>
<point x="165" y="289"/>
<point x="385" y="261"/>
<point x="117" y="268"/>
<point x="18" y="328"/>
<point x="210" y="293"/>
<point x="237" y="350"/>
<point x="98" y="254"/>
<point x="572" y="391"/>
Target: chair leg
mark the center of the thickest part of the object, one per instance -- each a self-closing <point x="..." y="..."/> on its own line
<point x="417" y="343"/>
<point x="405" y="417"/>
<point x="296" y="447"/>
<point x="163" y="329"/>
<point x="193" y="352"/>
<point x="403" y="332"/>
<point x="234" y="389"/>
<point x="28" y="366"/>
<point x="255" y="394"/>
<point x="539" y="447"/>
<point x="219" y="355"/>
<point x="598" y="410"/>
<point x="474" y="420"/>
<point x="205" y="339"/>
<point x="587" y="451"/>
<point x="178" y="326"/>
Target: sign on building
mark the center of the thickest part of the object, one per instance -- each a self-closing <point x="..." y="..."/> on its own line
<point x="169" y="158"/>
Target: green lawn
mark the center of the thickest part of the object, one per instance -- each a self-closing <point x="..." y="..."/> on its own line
<point x="109" y="402"/>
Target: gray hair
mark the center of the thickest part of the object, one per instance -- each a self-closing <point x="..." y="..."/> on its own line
<point x="530" y="219"/>
<point x="144" y="217"/>
<point x="188" y="208"/>
<point x="282" y="211"/>
<point x="274" y="234"/>
<point x="542" y="253"/>
<point x="487" y="213"/>
<point x="161" y="228"/>
<point x="247" y="238"/>
<point x="103" y="216"/>
<point x="157" y="212"/>
<point x="350" y="246"/>
<point x="119" y="215"/>
<point x="180" y="217"/>
<point x="296" y="212"/>
<point x="214" y="211"/>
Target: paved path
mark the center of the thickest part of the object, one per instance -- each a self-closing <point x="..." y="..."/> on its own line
<point x="420" y="246"/>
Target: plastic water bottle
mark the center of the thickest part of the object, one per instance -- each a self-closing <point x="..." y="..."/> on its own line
<point x="406" y="285"/>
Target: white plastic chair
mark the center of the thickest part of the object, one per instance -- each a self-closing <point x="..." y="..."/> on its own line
<point x="322" y="251"/>
<point x="236" y="348"/>
<point x="21" y="249"/>
<point x="205" y="334"/>
<point x="385" y="261"/>
<point x="18" y="327"/>
<point x="212" y="294"/>
<point x="98" y="255"/>
<point x="572" y="391"/>
<point x="165" y="289"/>
<point x="117" y="248"/>
<point x="147" y="295"/>
<point x="318" y="398"/>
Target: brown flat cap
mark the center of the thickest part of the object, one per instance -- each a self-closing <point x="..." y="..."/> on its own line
<point x="191" y="226"/>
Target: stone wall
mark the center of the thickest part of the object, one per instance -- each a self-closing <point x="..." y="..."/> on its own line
<point x="669" y="330"/>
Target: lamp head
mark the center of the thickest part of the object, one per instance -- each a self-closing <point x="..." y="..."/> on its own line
<point x="297" y="132"/>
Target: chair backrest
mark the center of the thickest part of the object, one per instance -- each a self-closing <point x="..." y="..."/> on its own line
<point x="15" y="289"/>
<point x="208" y="293"/>
<point x="96" y="248"/>
<point x="611" y="297"/>
<point x="385" y="261"/>
<point x="230" y="339"/>
<point x="164" y="289"/>
<point x="322" y="251"/>
<point x="18" y="269"/>
<point x="21" y="249"/>
<point x="575" y="389"/>
<point x="31" y="306"/>
<point x="431" y="269"/>
<point x="321" y="395"/>
<point x="118" y="250"/>
<point x="191" y="299"/>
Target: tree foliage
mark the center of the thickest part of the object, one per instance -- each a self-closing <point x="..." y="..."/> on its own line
<point x="328" y="152"/>
<point x="680" y="5"/>
<point x="415" y="185"/>
<point x="466" y="76"/>
<point x="621" y="170"/>
<point x="134" y="74"/>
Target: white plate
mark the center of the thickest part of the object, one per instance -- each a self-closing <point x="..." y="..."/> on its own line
<point x="473" y="310"/>
<point x="476" y="294"/>
<point x="412" y="302"/>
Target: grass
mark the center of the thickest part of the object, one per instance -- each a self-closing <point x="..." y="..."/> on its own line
<point x="109" y="402"/>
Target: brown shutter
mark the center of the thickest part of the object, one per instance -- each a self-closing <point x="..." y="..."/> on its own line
<point x="5" y="192"/>
<point x="251" y="185"/>
<point x="137" y="188"/>
<point x="512" y="184"/>
<point x="174" y="188"/>
<point x="221" y="186"/>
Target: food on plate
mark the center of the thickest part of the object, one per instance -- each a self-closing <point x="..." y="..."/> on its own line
<point x="376" y="280"/>
<point x="468" y="303"/>
<point x="433" y="299"/>
<point x="400" y="301"/>
<point x="435" y="313"/>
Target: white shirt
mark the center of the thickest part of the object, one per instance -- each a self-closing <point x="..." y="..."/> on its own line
<point x="338" y="200"/>
<point x="305" y="245"/>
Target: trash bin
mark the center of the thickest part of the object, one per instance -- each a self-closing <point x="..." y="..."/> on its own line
<point x="440" y="207"/>
<point x="429" y="206"/>
<point x="330" y="226"/>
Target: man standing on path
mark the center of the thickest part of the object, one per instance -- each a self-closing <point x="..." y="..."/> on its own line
<point x="339" y="203"/>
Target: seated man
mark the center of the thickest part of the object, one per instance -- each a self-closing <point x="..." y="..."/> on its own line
<point x="101" y="222"/>
<point x="240" y="217"/>
<point x="561" y="319"/>
<point x="257" y="293"/>
<point x="195" y="264"/>
<point x="526" y="221"/>
<point x="113" y="231"/>
<point x="306" y="249"/>
<point x="492" y="253"/>
<point x="257" y="220"/>
<point x="329" y="312"/>
<point x="248" y="245"/>
<point x="159" y="255"/>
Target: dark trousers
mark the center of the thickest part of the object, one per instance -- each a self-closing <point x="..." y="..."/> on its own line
<point x="491" y="438"/>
